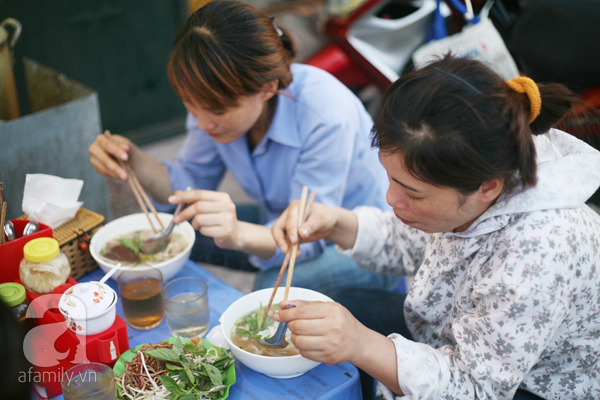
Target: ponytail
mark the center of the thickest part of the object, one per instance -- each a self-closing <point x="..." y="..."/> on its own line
<point x="534" y="109"/>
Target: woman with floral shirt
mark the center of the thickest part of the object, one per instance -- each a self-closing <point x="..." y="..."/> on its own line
<point x="489" y="215"/>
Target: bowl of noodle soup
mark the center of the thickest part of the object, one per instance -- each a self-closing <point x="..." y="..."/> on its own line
<point x="249" y="353"/>
<point x="127" y="232"/>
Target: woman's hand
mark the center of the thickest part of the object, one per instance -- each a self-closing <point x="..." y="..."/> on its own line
<point x="329" y="333"/>
<point x="106" y="150"/>
<point x="324" y="331"/>
<point x="214" y="215"/>
<point x="321" y="222"/>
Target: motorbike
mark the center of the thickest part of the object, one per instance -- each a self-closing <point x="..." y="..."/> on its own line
<point x="550" y="41"/>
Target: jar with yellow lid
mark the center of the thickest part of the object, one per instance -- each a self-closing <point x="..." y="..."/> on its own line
<point x="43" y="266"/>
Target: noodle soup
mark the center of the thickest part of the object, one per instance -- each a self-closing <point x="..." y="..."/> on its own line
<point x="247" y="331"/>
<point x="125" y="249"/>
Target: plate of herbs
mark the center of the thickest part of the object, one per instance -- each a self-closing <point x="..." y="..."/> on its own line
<point x="175" y="369"/>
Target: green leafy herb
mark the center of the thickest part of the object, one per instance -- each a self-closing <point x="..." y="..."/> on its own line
<point x="252" y="324"/>
<point x="244" y="332"/>
<point x="214" y="373"/>
<point x="170" y="384"/>
<point x="259" y="317"/>
<point x="131" y="245"/>
<point x="163" y="355"/>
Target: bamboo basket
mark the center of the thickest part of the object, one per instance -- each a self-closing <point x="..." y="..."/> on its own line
<point x="71" y="237"/>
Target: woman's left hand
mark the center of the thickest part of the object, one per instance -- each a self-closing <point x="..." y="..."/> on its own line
<point x="329" y="333"/>
<point x="212" y="213"/>
<point x="324" y="331"/>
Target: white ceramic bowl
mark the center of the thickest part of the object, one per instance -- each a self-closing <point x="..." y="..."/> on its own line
<point x="275" y="367"/>
<point x="136" y="222"/>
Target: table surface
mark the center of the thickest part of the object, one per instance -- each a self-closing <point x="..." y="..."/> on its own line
<point x="340" y="381"/>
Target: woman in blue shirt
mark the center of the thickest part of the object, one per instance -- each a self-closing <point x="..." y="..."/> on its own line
<point x="276" y="126"/>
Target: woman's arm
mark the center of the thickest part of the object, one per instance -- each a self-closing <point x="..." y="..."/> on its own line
<point x="327" y="332"/>
<point x="214" y="215"/>
<point x="322" y="222"/>
<point x="107" y="149"/>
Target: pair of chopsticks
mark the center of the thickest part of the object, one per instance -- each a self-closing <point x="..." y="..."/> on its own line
<point x="138" y="191"/>
<point x="2" y="214"/>
<point x="290" y="256"/>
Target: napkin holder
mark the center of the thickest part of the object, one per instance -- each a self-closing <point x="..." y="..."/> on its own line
<point x="104" y="347"/>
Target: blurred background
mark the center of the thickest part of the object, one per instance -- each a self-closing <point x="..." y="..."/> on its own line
<point x="81" y="67"/>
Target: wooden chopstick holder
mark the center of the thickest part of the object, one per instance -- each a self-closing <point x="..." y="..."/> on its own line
<point x="2" y="220"/>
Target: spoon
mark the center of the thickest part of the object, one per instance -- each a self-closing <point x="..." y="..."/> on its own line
<point x="30" y="228"/>
<point x="159" y="241"/>
<point x="9" y="229"/>
<point x="110" y="273"/>
<point x="278" y="338"/>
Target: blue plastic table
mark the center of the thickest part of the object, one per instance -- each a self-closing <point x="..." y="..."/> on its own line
<point x="339" y="381"/>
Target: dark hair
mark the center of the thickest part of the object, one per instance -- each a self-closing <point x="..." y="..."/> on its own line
<point x="458" y="124"/>
<point x="228" y="49"/>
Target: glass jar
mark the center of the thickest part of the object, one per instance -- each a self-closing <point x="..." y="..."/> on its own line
<point x="43" y="266"/>
<point x="13" y="294"/>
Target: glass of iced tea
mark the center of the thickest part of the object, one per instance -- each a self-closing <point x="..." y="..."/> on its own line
<point x="140" y="296"/>
<point x="186" y="306"/>
<point x="89" y="381"/>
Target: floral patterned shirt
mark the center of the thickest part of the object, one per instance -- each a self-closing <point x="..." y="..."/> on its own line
<point x="512" y="302"/>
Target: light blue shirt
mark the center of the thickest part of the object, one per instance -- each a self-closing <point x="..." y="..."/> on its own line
<point x="319" y="138"/>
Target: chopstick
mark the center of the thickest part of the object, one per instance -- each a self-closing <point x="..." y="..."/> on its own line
<point x="290" y="269"/>
<point x="291" y="253"/>
<point x="142" y="192"/>
<point x="138" y="190"/>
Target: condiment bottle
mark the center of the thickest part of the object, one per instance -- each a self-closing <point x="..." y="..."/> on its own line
<point x="43" y="266"/>
<point x="13" y="294"/>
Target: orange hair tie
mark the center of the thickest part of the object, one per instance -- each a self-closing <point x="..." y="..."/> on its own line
<point x="522" y="84"/>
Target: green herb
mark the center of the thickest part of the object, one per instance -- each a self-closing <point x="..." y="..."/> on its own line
<point x="253" y="323"/>
<point x="259" y="316"/>
<point x="163" y="355"/>
<point x="244" y="332"/>
<point x="170" y="384"/>
<point x="131" y="245"/>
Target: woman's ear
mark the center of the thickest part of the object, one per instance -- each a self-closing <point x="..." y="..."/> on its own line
<point x="490" y="190"/>
<point x="269" y="89"/>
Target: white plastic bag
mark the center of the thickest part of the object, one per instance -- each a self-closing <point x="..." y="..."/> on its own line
<point x="480" y="41"/>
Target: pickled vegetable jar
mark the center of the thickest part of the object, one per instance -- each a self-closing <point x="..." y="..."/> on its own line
<point x="43" y="266"/>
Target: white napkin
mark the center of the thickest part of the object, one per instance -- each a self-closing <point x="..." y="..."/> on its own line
<point x="51" y="200"/>
<point x="215" y="336"/>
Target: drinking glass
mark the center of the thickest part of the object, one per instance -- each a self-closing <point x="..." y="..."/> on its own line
<point x="140" y="296"/>
<point x="186" y="306"/>
<point x="89" y="381"/>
